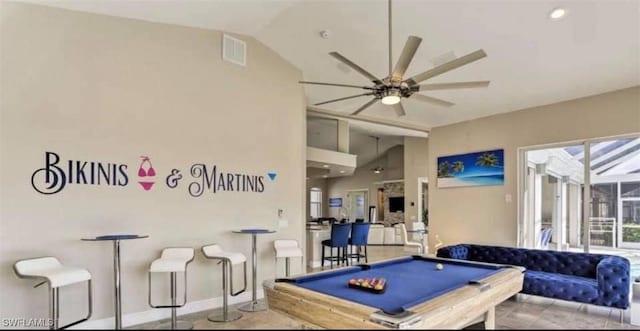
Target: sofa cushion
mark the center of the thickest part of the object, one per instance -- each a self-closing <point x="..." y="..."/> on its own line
<point x="559" y="286"/>
<point x="590" y="278"/>
<point x="568" y="263"/>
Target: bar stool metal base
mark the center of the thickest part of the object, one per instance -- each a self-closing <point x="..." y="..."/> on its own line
<point x="253" y="306"/>
<point x="180" y="325"/>
<point x="218" y="317"/>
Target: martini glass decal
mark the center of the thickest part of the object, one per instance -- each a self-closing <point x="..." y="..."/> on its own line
<point x="144" y="172"/>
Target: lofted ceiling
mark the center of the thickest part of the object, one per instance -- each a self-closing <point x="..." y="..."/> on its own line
<point x="322" y="133"/>
<point x="532" y="60"/>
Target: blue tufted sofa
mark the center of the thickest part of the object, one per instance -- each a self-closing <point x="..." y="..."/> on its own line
<point x="589" y="278"/>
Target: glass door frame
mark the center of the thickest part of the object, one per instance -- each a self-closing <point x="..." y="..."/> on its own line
<point x="350" y="203"/>
<point x="621" y="200"/>
<point x="522" y="168"/>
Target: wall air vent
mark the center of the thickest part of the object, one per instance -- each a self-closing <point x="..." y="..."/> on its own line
<point x="234" y="50"/>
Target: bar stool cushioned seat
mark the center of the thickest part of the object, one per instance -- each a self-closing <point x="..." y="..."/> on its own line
<point x="173" y="260"/>
<point x="359" y="238"/>
<point x="339" y="239"/>
<point x="228" y="260"/>
<point x="287" y="248"/>
<point x="49" y="270"/>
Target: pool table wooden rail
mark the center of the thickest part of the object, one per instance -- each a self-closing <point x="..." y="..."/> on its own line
<point x="453" y="310"/>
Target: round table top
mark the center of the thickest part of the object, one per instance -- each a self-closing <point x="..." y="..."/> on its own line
<point x="116" y="237"/>
<point x="254" y="231"/>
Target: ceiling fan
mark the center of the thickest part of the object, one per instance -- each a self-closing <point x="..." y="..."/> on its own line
<point x="391" y="89"/>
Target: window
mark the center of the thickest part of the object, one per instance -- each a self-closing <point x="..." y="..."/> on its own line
<point x="315" y="202"/>
<point x="630" y="190"/>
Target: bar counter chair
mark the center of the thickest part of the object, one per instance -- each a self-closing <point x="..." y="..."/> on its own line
<point x="288" y="248"/>
<point x="228" y="260"/>
<point x="50" y="271"/>
<point x="173" y="260"/>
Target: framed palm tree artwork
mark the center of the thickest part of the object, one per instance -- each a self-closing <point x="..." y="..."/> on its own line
<point x="472" y="169"/>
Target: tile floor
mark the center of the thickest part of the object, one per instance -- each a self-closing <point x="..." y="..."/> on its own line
<point x="520" y="312"/>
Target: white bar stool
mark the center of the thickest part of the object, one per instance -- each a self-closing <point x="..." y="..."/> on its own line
<point x="287" y="248"/>
<point x="228" y="260"/>
<point x="173" y="260"/>
<point x="52" y="272"/>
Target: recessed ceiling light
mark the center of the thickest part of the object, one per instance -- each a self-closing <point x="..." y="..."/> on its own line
<point x="325" y="166"/>
<point x="557" y="13"/>
<point x="325" y="176"/>
<point x="341" y="171"/>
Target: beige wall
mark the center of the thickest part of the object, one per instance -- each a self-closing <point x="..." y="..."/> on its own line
<point x="99" y="88"/>
<point x="481" y="214"/>
<point x="363" y="178"/>
<point x="416" y="164"/>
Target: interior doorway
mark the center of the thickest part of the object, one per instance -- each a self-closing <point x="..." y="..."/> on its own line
<point x="358" y="204"/>
<point x="423" y="201"/>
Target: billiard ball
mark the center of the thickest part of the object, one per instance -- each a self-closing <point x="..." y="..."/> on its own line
<point x="439" y="266"/>
<point x="352" y="281"/>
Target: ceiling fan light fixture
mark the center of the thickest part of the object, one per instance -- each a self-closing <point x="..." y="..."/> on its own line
<point x="378" y="170"/>
<point x="557" y="13"/>
<point x="391" y="98"/>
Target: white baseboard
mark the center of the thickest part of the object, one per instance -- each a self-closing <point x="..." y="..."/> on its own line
<point x="153" y="315"/>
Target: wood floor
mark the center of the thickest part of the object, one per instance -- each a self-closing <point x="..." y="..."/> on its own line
<point x="521" y="312"/>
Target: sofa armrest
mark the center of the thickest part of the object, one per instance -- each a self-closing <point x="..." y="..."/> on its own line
<point x="613" y="276"/>
<point x="459" y="252"/>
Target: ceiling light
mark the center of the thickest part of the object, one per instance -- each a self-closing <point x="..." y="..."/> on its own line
<point x="557" y="13"/>
<point x="391" y="98"/>
<point x="325" y="166"/>
<point x="378" y="170"/>
<point x="325" y="176"/>
<point x="341" y="171"/>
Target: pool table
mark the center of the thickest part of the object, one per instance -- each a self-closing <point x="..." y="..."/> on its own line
<point x="418" y="294"/>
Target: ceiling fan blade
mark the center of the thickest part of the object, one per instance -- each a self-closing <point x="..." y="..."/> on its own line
<point x="340" y="99"/>
<point x="399" y="109"/>
<point x="365" y="106"/>
<point x="453" y="64"/>
<point x="447" y="86"/>
<point x="409" y="50"/>
<point x="355" y="67"/>
<point x="432" y="100"/>
<point x="332" y="84"/>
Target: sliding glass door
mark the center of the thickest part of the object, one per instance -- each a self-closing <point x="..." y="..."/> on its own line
<point x="553" y="183"/>
<point x="630" y="215"/>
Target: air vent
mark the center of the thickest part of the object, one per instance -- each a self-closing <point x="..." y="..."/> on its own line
<point x="234" y="50"/>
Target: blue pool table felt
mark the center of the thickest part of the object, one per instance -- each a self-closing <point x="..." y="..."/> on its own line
<point x="410" y="281"/>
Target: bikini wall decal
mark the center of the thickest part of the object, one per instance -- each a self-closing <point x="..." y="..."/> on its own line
<point x="146" y="173"/>
<point x="58" y="174"/>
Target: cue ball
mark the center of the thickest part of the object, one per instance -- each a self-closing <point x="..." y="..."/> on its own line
<point x="439" y="266"/>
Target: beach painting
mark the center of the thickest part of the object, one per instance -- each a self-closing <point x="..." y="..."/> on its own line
<point x="473" y="169"/>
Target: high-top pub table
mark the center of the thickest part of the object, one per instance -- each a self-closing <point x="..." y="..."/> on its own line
<point x="254" y="305"/>
<point x="116" y="268"/>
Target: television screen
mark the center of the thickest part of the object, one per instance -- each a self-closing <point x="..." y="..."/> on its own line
<point x="396" y="204"/>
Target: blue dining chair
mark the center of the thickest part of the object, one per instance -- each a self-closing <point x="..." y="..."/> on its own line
<point x="359" y="237"/>
<point x="340" y="240"/>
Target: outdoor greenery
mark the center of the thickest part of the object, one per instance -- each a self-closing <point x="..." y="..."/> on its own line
<point x="631" y="235"/>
